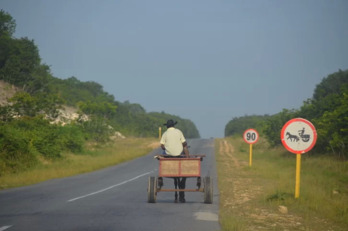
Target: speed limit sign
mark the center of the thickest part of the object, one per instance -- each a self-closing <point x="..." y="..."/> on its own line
<point x="251" y="136"/>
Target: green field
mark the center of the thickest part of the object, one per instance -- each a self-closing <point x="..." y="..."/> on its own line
<point x="261" y="196"/>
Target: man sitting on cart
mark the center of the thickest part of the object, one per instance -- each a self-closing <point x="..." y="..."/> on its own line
<point x="174" y="144"/>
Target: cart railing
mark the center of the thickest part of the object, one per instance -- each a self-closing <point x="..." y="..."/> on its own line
<point x="174" y="167"/>
<point x="180" y="167"/>
<point x="182" y="156"/>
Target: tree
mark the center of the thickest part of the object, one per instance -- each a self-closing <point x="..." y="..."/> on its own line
<point x="19" y="61"/>
<point x="275" y="123"/>
<point x="7" y="24"/>
<point x="104" y="110"/>
<point x="239" y="124"/>
<point x="42" y="81"/>
<point x="332" y="84"/>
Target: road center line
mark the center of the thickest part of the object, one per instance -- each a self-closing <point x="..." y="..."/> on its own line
<point x="113" y="186"/>
<point x="5" y="227"/>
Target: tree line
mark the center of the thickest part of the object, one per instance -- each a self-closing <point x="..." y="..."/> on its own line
<point x="26" y="130"/>
<point x="327" y="110"/>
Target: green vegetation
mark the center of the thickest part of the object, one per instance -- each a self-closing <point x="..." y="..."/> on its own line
<point x="261" y="197"/>
<point x="239" y="124"/>
<point x="96" y="157"/>
<point x="327" y="110"/>
<point x="29" y="134"/>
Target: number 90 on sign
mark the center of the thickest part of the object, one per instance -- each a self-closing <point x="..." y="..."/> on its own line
<point x="251" y="136"/>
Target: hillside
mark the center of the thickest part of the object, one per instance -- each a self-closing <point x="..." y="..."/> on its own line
<point x="66" y="113"/>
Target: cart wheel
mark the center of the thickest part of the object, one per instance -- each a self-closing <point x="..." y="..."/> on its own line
<point x="151" y="190"/>
<point x="208" y="190"/>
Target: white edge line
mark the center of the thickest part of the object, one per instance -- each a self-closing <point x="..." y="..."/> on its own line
<point x="105" y="189"/>
<point x="5" y="227"/>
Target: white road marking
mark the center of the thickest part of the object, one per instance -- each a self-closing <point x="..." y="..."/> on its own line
<point x="5" y="227"/>
<point x="206" y="216"/>
<point x="113" y="186"/>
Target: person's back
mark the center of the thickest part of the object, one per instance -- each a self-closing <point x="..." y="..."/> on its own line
<point x="173" y="140"/>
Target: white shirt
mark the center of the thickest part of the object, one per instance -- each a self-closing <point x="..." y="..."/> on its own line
<point x="172" y="140"/>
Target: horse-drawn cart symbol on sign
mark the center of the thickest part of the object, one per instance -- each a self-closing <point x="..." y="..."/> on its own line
<point x="298" y="135"/>
<point x="301" y="134"/>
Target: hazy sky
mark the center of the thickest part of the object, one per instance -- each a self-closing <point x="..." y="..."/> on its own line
<point x="207" y="61"/>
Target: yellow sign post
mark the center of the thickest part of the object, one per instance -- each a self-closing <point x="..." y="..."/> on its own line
<point x="159" y="133"/>
<point x="251" y="155"/>
<point x="298" y="171"/>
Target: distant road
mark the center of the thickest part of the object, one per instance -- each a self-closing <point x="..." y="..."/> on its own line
<point x="114" y="198"/>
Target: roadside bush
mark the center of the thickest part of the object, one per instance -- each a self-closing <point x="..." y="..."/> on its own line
<point x="72" y="137"/>
<point x="96" y="129"/>
<point x="16" y="151"/>
<point x="23" y="140"/>
<point x="42" y="135"/>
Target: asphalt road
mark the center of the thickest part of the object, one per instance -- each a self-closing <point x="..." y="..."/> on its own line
<point x="114" y="198"/>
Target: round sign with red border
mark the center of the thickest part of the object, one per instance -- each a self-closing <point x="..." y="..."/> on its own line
<point x="298" y="135"/>
<point x="251" y="136"/>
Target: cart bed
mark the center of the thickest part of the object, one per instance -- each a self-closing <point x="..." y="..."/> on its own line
<point x="180" y="167"/>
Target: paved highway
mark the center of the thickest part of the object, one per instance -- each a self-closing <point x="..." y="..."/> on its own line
<point x="114" y="198"/>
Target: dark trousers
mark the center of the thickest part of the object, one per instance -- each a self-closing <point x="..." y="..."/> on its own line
<point x="180" y="181"/>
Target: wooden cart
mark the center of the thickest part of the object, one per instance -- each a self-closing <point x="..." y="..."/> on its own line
<point x="189" y="167"/>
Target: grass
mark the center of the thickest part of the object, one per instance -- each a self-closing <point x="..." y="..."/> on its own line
<point x="261" y="197"/>
<point x="97" y="157"/>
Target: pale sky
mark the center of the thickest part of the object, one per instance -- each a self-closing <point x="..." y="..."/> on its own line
<point x="207" y="61"/>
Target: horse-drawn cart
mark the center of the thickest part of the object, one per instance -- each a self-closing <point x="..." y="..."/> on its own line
<point x="176" y="168"/>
